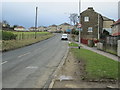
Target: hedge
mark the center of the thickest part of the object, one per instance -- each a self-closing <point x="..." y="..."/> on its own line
<point x="8" y="35"/>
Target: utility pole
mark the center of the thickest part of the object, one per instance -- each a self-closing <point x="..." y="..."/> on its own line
<point x="36" y="22"/>
<point x="79" y="23"/>
<point x="71" y="30"/>
<point x="98" y="27"/>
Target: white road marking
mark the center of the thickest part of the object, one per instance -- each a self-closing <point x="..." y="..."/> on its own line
<point x="24" y="54"/>
<point x="4" y="62"/>
<point x="69" y="42"/>
<point x="32" y="67"/>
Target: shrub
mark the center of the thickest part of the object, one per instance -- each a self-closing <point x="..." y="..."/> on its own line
<point x="8" y="35"/>
<point x="74" y="31"/>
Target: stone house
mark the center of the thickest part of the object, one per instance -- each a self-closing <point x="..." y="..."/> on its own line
<point x="33" y="29"/>
<point x="42" y="28"/>
<point x="93" y="24"/>
<point x="52" y="28"/>
<point x="116" y="28"/>
<point x="107" y="24"/>
<point x="65" y="26"/>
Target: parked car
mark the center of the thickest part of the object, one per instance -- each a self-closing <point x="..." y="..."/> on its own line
<point x="64" y="37"/>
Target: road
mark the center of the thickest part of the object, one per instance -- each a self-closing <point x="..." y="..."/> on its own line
<point x="32" y="66"/>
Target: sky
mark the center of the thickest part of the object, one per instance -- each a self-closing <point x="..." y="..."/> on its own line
<point x="22" y="12"/>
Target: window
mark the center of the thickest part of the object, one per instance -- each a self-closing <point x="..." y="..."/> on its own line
<point x="86" y="19"/>
<point x="90" y="29"/>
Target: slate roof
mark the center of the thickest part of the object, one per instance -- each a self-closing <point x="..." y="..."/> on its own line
<point x="117" y="22"/>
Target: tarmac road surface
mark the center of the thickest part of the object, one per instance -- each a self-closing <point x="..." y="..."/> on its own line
<point x="32" y="66"/>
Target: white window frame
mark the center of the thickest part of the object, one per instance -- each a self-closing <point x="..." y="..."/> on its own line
<point x="86" y="19"/>
<point x="90" y="29"/>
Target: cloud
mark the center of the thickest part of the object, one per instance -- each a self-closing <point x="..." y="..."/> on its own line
<point x="60" y="0"/>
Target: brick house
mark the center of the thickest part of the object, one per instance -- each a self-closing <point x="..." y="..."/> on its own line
<point x="93" y="24"/>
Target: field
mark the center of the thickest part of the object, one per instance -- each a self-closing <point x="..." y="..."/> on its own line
<point x="96" y="66"/>
<point x="24" y="39"/>
<point x="28" y="35"/>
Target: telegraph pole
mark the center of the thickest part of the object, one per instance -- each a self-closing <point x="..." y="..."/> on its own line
<point x="79" y="23"/>
<point x="71" y="30"/>
<point x="98" y="27"/>
<point x="36" y="22"/>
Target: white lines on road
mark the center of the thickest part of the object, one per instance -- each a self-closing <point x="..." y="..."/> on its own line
<point x="24" y="54"/>
<point x="32" y="67"/>
<point x="4" y="62"/>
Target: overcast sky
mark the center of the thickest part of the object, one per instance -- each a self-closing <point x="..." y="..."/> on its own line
<point x="23" y="12"/>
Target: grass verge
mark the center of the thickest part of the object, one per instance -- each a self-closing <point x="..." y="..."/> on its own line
<point x="97" y="66"/>
<point x="13" y="44"/>
<point x="73" y="44"/>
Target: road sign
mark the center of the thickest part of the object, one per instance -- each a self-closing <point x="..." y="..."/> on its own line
<point x="79" y="25"/>
<point x="79" y="29"/>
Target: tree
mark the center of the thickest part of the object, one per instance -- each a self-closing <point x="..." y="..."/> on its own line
<point x="104" y="34"/>
<point x="14" y="26"/>
<point x="5" y="24"/>
<point x="74" y="18"/>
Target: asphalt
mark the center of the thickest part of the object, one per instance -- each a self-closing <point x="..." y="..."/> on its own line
<point x="32" y="66"/>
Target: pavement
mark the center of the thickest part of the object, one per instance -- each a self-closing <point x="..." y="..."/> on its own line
<point x="94" y="49"/>
<point x="32" y="66"/>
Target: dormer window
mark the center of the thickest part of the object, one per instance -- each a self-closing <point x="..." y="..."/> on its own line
<point x="86" y="19"/>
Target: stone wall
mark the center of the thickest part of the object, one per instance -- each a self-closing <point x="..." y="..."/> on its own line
<point x="100" y="46"/>
<point x="118" y="49"/>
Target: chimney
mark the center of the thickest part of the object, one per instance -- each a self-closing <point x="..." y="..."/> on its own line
<point x="90" y="8"/>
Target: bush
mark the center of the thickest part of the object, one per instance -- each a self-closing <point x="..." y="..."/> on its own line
<point x="90" y="43"/>
<point x="74" y="31"/>
<point x="8" y="35"/>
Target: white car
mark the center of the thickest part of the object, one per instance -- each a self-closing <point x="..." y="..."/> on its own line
<point x="64" y="37"/>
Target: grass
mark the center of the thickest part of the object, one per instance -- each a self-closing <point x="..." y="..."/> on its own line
<point x="73" y="44"/>
<point x="13" y="44"/>
<point x="97" y="66"/>
<point x="111" y="51"/>
<point x="28" y="35"/>
<point x="15" y="32"/>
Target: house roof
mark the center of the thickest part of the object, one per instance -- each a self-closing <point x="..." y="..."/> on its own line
<point x="65" y="24"/>
<point x="116" y="34"/>
<point x="33" y="27"/>
<point x="42" y="27"/>
<point x="19" y="27"/>
<point x="117" y="22"/>
<point x="104" y="18"/>
<point x="53" y="26"/>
